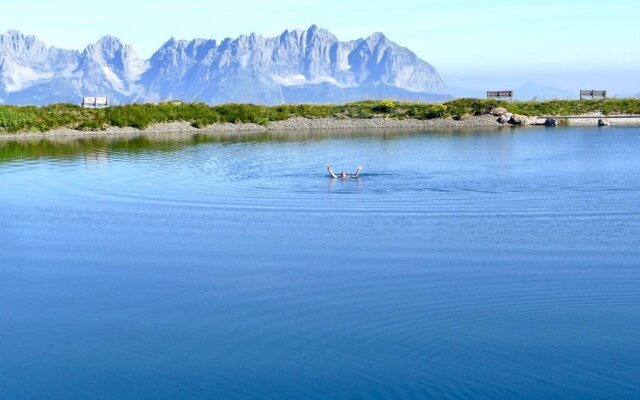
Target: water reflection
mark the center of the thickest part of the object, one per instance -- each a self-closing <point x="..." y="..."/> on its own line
<point x="343" y="184"/>
<point x="97" y="158"/>
<point x="66" y="147"/>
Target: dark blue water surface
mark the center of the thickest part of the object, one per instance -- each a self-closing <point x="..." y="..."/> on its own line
<point x="477" y="265"/>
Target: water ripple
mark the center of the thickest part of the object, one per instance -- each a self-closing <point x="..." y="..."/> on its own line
<point x="458" y="266"/>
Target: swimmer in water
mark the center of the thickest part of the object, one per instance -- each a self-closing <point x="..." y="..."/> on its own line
<point x="343" y="175"/>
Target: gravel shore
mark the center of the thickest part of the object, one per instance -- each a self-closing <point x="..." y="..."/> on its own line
<point x="294" y="124"/>
<point x="301" y="124"/>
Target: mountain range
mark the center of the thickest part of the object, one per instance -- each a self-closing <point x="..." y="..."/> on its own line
<point x="299" y="66"/>
<point x="534" y="90"/>
<point x="527" y="91"/>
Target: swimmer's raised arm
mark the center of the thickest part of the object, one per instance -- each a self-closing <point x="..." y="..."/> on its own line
<point x="357" y="171"/>
<point x="331" y="172"/>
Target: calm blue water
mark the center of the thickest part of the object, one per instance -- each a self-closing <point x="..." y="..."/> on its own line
<point x="462" y="265"/>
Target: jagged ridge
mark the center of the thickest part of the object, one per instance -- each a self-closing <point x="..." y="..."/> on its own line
<point x="298" y="66"/>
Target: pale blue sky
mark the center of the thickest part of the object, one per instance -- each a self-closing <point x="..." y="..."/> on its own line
<point x="563" y="43"/>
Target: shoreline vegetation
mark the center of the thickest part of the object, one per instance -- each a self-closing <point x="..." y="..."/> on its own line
<point x="61" y="119"/>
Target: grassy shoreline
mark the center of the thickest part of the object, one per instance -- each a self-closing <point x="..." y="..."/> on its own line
<point x="15" y="119"/>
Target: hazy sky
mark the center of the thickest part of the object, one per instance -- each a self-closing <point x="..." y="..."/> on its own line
<point x="566" y="43"/>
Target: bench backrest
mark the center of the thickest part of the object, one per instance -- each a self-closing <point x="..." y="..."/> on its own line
<point x="500" y="94"/>
<point x="593" y="94"/>
<point x="95" y="102"/>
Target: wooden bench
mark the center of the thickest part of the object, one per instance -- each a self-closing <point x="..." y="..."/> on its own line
<point x="593" y="95"/>
<point x="95" y="102"/>
<point x="500" y="94"/>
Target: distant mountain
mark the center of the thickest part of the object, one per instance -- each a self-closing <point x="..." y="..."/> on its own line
<point x="533" y="90"/>
<point x="458" y="93"/>
<point x="527" y="91"/>
<point x="32" y="73"/>
<point x="623" y="95"/>
<point x="24" y="61"/>
<point x="300" y="66"/>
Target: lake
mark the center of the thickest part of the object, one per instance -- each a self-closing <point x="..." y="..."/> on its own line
<point x="478" y="264"/>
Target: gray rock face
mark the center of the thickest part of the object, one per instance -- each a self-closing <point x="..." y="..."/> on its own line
<point x="505" y="118"/>
<point x="497" y="111"/>
<point x="32" y="73"/>
<point x="518" y="120"/>
<point x="25" y="61"/>
<point x="298" y="66"/>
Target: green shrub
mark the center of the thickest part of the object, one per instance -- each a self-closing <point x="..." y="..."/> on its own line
<point x="385" y="106"/>
<point x="90" y="125"/>
<point x="436" y="111"/>
<point x="14" y="119"/>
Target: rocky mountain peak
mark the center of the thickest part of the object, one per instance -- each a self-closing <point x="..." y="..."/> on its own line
<point x="111" y="54"/>
<point x="18" y="45"/>
<point x="313" y="33"/>
<point x="109" y="48"/>
<point x="377" y="38"/>
<point x="15" y="38"/>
